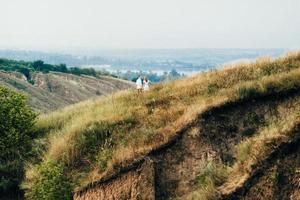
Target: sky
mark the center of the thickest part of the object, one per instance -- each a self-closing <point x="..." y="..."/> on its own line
<point x="68" y="25"/>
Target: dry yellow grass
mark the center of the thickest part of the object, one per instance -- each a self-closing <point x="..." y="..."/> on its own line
<point x="91" y="138"/>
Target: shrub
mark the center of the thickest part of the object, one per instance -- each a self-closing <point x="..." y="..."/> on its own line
<point x="50" y="183"/>
<point x="16" y="122"/>
<point x="212" y="175"/>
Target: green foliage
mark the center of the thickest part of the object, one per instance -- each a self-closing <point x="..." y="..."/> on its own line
<point x="31" y="82"/>
<point x="51" y="183"/>
<point x="25" y="72"/>
<point x="16" y="122"/>
<point x="103" y="157"/>
<point x="211" y="176"/>
<point x="62" y="68"/>
<point x="212" y="173"/>
<point x="39" y="66"/>
<point x="96" y="142"/>
<point x="84" y="71"/>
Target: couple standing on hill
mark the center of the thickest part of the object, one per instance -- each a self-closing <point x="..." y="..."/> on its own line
<point x="142" y="84"/>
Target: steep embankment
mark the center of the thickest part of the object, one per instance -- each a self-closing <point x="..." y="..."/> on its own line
<point x="202" y="137"/>
<point x="54" y="90"/>
<point x="200" y="159"/>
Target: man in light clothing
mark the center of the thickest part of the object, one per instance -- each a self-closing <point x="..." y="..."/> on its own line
<point x="139" y="84"/>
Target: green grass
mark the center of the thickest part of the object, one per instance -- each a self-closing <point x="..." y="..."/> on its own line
<point x="93" y="138"/>
<point x="211" y="176"/>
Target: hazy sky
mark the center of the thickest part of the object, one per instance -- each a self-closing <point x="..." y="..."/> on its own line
<point x="100" y="24"/>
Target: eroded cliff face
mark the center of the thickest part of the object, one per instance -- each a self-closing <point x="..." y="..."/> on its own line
<point x="173" y="170"/>
<point x="135" y="184"/>
<point x="279" y="180"/>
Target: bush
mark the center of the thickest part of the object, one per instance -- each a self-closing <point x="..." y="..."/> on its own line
<point x="50" y="183"/>
<point x="16" y="122"/>
<point x="212" y="173"/>
<point x="211" y="176"/>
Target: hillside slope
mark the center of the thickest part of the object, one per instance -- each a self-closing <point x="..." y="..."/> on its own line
<point x="54" y="90"/>
<point x="203" y="137"/>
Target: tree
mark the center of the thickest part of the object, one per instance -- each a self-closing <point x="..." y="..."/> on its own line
<point x="16" y="122"/>
<point x="38" y="65"/>
<point x="174" y="73"/>
<point x="62" y="68"/>
<point x="25" y="72"/>
<point x="75" y="70"/>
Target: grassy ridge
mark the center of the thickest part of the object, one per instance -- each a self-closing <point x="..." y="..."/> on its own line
<point x="91" y="139"/>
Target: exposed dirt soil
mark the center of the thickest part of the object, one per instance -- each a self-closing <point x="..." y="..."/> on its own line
<point x="135" y="184"/>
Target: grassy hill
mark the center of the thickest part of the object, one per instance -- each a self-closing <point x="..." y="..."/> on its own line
<point x="49" y="90"/>
<point x="241" y="115"/>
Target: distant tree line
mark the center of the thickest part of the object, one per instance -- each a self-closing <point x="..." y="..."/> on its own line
<point x="26" y="68"/>
<point x="39" y="66"/>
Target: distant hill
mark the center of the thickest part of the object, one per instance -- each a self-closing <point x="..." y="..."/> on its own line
<point x="49" y="90"/>
<point x="226" y="134"/>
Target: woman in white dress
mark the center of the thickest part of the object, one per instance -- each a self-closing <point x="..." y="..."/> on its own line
<point x="139" y="85"/>
<point x="146" y="84"/>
